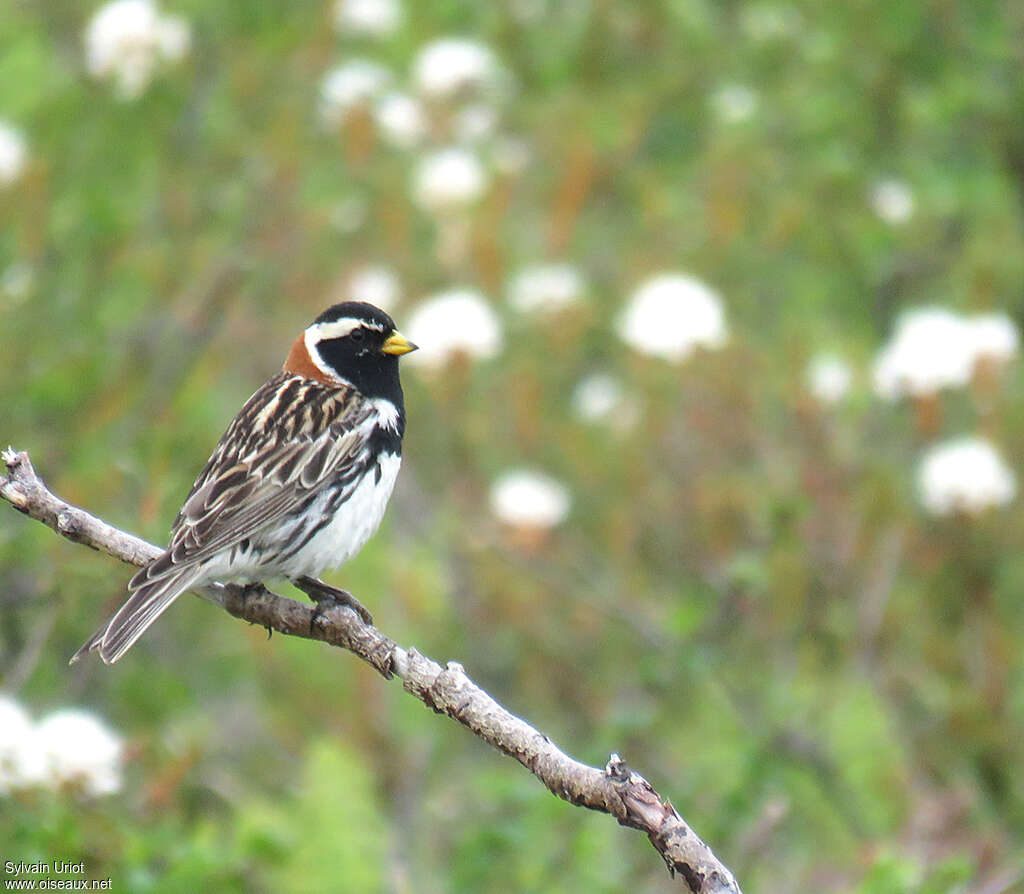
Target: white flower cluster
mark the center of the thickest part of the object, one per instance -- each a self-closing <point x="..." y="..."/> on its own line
<point x="602" y="398"/>
<point x="734" y="103"/>
<point x="892" y="201"/>
<point x="460" y="83"/>
<point x="13" y="153"/>
<point x="449" y="180"/>
<point x="457" y="323"/>
<point x="401" y="118"/>
<point x="68" y="747"/>
<point x="450" y="66"/>
<point x="523" y="498"/>
<point x="376" y="285"/>
<point x="475" y="123"/>
<point x="671" y="315"/>
<point x="546" y="288"/>
<point x="596" y="397"/>
<point x="373" y="18"/>
<point x="966" y="475"/>
<point x="126" y="40"/>
<point x="933" y="348"/>
<point x="828" y="378"/>
<point x="450" y="107"/>
<point x="351" y="86"/>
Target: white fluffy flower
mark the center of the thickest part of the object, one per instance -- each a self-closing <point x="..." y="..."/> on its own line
<point x="374" y="284"/>
<point x="734" y="103"/>
<point x="173" y="38"/>
<point x="545" y="287"/>
<point x="350" y="86"/>
<point x="13" y="153"/>
<point x="966" y="475"/>
<point x="376" y="18"/>
<point x="475" y="122"/>
<point x="528" y="499"/>
<point x="400" y="118"/>
<point x="670" y="315"/>
<point x="451" y="65"/>
<point x="931" y="349"/>
<point x="828" y="377"/>
<point x="16" y="746"/>
<point x="601" y="398"/>
<point x="69" y="746"/>
<point x="449" y="324"/>
<point x="126" y="40"/>
<point x="596" y="397"/>
<point x="893" y="201"/>
<point x="75" y="747"/>
<point x="993" y="337"/>
<point x="448" y="180"/>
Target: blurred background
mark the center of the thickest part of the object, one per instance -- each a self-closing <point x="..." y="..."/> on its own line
<point x="712" y="452"/>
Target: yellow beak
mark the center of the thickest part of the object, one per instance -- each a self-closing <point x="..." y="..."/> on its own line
<point x="398" y="344"/>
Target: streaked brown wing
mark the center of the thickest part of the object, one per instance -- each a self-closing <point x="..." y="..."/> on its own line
<point x="291" y="436"/>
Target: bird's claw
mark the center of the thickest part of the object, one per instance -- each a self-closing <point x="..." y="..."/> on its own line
<point x="325" y="596"/>
<point x="343" y="597"/>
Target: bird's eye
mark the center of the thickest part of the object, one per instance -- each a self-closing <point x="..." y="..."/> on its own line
<point x="357" y="335"/>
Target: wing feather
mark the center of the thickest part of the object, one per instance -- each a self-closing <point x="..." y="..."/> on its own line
<point x="234" y="497"/>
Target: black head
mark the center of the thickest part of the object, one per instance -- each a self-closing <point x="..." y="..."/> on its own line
<point x="358" y="344"/>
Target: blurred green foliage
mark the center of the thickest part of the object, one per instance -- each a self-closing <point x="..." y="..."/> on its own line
<point x="747" y="602"/>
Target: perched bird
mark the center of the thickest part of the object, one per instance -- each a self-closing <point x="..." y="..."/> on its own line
<point x="299" y="481"/>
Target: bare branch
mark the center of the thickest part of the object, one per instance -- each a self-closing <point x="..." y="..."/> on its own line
<point x="615" y="789"/>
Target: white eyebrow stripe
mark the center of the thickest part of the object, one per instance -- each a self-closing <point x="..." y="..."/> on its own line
<point x="336" y="329"/>
<point x="319" y="332"/>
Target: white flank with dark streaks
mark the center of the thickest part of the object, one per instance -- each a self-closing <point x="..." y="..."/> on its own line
<point x="354" y="522"/>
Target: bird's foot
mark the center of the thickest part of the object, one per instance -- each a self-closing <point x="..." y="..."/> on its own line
<point x="252" y="588"/>
<point x="324" y="595"/>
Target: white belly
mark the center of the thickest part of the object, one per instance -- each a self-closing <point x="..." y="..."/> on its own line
<point x="353" y="524"/>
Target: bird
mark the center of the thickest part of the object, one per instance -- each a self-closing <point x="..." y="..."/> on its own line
<point x="297" y="484"/>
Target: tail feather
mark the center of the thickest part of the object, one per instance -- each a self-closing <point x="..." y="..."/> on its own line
<point x="153" y="590"/>
<point x="90" y="645"/>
